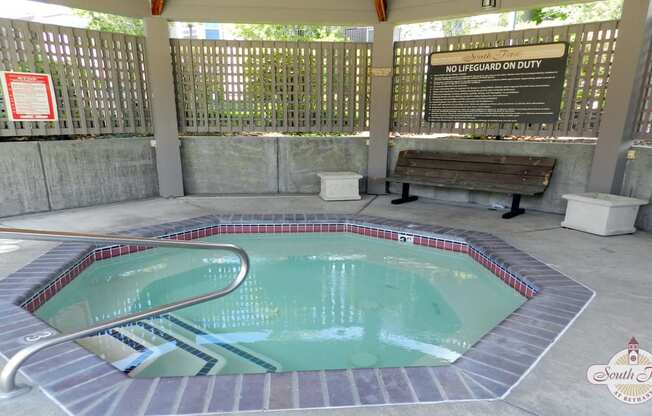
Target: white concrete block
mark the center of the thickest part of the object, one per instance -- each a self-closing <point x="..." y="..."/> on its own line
<point x="601" y="214"/>
<point x="340" y="186"/>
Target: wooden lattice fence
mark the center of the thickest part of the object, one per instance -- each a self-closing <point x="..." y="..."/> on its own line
<point x="235" y="86"/>
<point x="99" y="78"/>
<point x="643" y="123"/>
<point x="589" y="63"/>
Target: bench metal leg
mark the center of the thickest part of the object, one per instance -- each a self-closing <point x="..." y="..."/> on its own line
<point x="405" y="196"/>
<point x="516" y="207"/>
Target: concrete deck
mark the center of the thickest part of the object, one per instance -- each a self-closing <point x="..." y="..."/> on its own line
<point x="617" y="268"/>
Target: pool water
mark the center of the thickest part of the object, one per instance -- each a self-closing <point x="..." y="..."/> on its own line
<point x="311" y="302"/>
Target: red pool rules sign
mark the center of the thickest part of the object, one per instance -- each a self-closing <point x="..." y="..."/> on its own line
<point x="28" y="96"/>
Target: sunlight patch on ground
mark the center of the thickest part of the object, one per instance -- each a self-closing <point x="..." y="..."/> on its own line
<point x="8" y="246"/>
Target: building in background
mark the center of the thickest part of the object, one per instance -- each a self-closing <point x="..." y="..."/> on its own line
<point x="198" y="30"/>
<point x="359" y="34"/>
<point x="212" y="31"/>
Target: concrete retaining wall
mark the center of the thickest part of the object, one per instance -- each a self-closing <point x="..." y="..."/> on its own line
<point x="570" y="175"/>
<point x="638" y="184"/>
<point x="227" y="165"/>
<point x="301" y="158"/>
<point x="224" y="165"/>
<point x="38" y="176"/>
<point x="22" y="185"/>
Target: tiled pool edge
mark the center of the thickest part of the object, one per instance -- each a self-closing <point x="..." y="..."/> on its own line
<point x="437" y="241"/>
<point x="482" y="373"/>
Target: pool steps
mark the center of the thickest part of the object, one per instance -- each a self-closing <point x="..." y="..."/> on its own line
<point x="135" y="348"/>
<point x="239" y="351"/>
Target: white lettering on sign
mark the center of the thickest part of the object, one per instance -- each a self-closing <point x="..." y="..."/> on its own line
<point x="512" y="84"/>
<point x="496" y="66"/>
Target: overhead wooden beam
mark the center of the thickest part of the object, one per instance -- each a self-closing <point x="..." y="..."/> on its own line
<point x="157" y="7"/>
<point x="381" y="10"/>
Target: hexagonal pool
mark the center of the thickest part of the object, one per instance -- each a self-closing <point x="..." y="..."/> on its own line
<point x="338" y="310"/>
<point x="311" y="302"/>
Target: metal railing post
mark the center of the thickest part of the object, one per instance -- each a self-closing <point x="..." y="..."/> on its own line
<point x="8" y="387"/>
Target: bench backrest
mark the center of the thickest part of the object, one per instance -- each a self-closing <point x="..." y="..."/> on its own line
<point x="527" y="175"/>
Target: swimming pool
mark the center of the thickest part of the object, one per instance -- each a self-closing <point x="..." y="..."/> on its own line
<point x="86" y="383"/>
<point x="317" y="301"/>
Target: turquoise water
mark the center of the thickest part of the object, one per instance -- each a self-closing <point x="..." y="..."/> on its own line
<point x="311" y="301"/>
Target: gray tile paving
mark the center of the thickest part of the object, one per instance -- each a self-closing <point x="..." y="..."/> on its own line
<point x="481" y="375"/>
<point x="397" y="385"/>
<point x="164" y="398"/>
<point x="252" y="393"/>
<point x="310" y="389"/>
<point x="340" y="392"/>
<point x="281" y="391"/>
<point x="223" y="394"/>
<point x="368" y="386"/>
<point x="194" y="395"/>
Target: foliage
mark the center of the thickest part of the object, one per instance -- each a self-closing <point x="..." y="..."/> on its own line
<point x="578" y="13"/>
<point x="546" y="16"/>
<point x="289" y="32"/>
<point x="541" y="15"/>
<point x="112" y="23"/>
<point x="458" y="26"/>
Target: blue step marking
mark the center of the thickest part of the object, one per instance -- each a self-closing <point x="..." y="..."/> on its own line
<point x="143" y="350"/>
<point x="215" y="341"/>
<point x="210" y="361"/>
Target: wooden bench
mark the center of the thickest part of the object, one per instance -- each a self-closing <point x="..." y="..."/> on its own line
<point x="516" y="175"/>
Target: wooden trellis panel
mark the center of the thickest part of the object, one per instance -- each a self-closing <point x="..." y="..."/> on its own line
<point x="99" y="78"/>
<point x="591" y="48"/>
<point x="643" y="123"/>
<point x="236" y="86"/>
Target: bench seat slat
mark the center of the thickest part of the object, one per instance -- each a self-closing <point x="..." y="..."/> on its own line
<point x="481" y="158"/>
<point x="541" y="171"/>
<point x="452" y="176"/>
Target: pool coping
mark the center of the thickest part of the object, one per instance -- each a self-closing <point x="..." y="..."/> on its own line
<point x="83" y="383"/>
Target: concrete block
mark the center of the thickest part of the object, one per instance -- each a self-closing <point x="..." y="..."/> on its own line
<point x="638" y="184"/>
<point x="601" y="214"/>
<point x="228" y="165"/>
<point x="92" y="172"/>
<point x="300" y="159"/>
<point x="571" y="172"/>
<point x="22" y="186"/>
<point x="340" y="186"/>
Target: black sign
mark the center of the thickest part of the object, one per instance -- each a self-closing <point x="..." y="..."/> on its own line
<point x="519" y="84"/>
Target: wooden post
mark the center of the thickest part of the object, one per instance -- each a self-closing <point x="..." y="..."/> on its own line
<point x="164" y="113"/>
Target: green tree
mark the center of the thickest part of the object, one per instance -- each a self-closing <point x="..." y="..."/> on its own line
<point x="270" y="80"/>
<point x="112" y="23"/>
<point x="289" y="32"/>
<point x="541" y="15"/>
<point x="577" y="13"/>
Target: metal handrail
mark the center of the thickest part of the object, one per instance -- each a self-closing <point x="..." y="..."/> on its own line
<point x="8" y="386"/>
